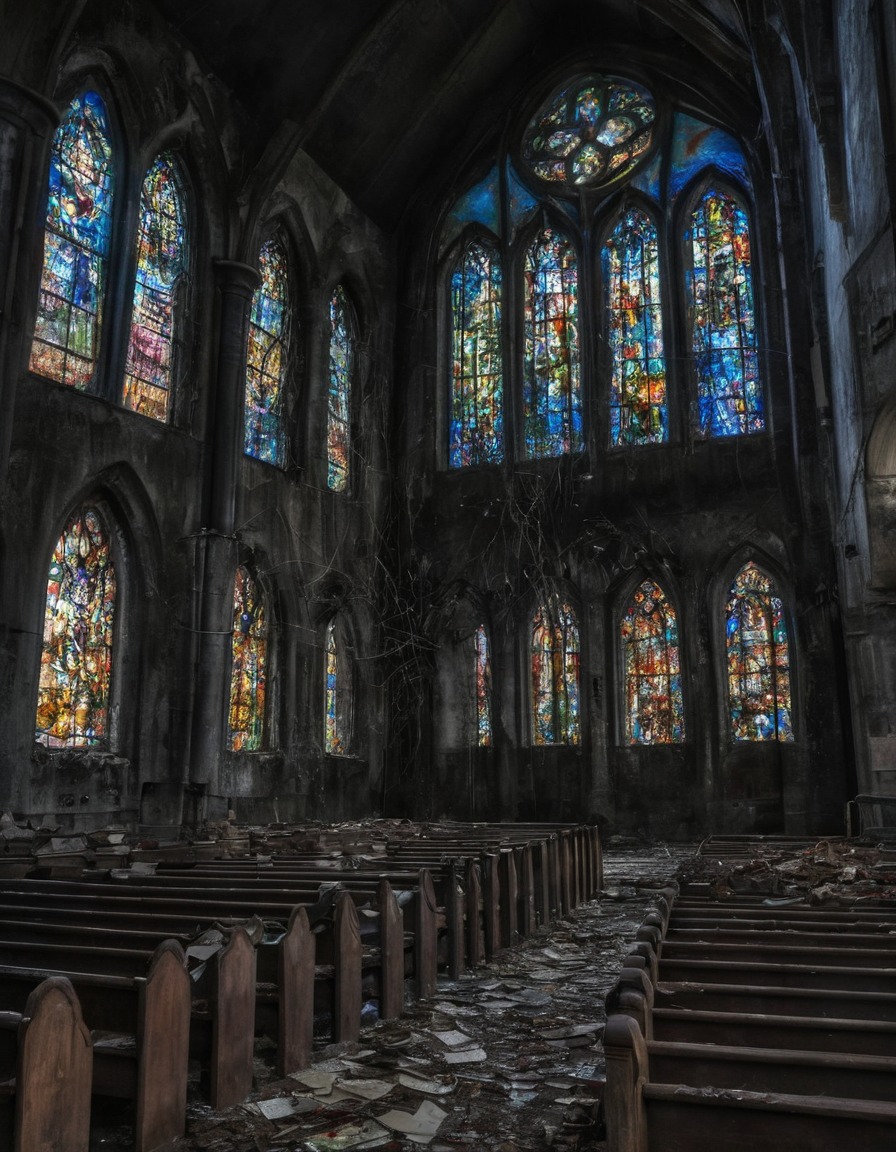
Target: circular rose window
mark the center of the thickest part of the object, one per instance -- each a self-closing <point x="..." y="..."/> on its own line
<point x="590" y="133"/>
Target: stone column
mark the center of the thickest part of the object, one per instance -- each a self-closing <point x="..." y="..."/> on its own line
<point x="27" y="123"/>
<point x="217" y="548"/>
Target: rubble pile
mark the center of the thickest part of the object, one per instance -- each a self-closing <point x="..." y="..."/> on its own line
<point x="831" y="870"/>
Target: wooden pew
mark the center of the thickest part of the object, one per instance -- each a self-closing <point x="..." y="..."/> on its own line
<point x="47" y="1069"/>
<point x="140" y="1028"/>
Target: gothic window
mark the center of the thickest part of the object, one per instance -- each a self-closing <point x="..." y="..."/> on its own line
<point x="337" y="695"/>
<point x="161" y="263"/>
<point x="552" y="405"/>
<point x="342" y="356"/>
<point x="76" y="659"/>
<point x="555" y="675"/>
<point x="757" y="658"/>
<point x="483" y="666"/>
<point x="76" y="246"/>
<point x="477" y="393"/>
<point x="590" y="133"/>
<point x="269" y="333"/>
<point x="248" y="676"/>
<point x="723" y="325"/>
<point x="654" y="708"/>
<point x="635" y="323"/>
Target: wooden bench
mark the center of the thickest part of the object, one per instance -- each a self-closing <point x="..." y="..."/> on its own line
<point x="141" y="1030"/>
<point x="46" y="1057"/>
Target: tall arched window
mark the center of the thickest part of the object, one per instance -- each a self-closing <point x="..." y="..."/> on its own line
<point x="555" y="675"/>
<point x="723" y="323"/>
<point x="654" y="708"/>
<point x="248" y="676"/>
<point x="266" y="363"/>
<point x="552" y="404"/>
<point x="76" y="659"/>
<point x="477" y="391"/>
<point x="342" y="355"/>
<point x="631" y="275"/>
<point x="483" y="666"/>
<point x="757" y="656"/>
<point x="337" y="695"/>
<point x="161" y="262"/>
<point x="76" y="246"/>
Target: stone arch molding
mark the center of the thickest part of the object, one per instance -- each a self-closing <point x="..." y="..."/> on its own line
<point x="880" y="497"/>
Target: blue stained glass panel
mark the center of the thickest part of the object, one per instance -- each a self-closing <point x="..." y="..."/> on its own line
<point x="654" y="705"/>
<point x="339" y="392"/>
<point x="723" y="322"/>
<point x="76" y="246"/>
<point x="477" y="393"/>
<point x="483" y="687"/>
<point x="551" y="389"/>
<point x="267" y="357"/>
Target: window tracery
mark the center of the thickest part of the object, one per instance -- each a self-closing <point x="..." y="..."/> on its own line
<point x="552" y="404"/>
<point x="635" y="321"/>
<point x="248" y="676"/>
<point x="161" y="263"/>
<point x="76" y="659"/>
<point x="342" y="354"/>
<point x="76" y="246"/>
<point x="554" y="664"/>
<point x="757" y="659"/>
<point x="268" y="353"/>
<point x="483" y="665"/>
<point x="654" y="705"/>
<point x="477" y="416"/>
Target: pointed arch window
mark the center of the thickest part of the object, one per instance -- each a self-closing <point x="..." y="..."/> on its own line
<point x="555" y="675"/>
<point x="654" y="706"/>
<point x="76" y="246"/>
<point x="342" y="356"/>
<point x="552" y="404"/>
<point x="757" y="658"/>
<point x="631" y="275"/>
<point x="268" y="355"/>
<point x="76" y="659"/>
<point x="161" y="264"/>
<point x="723" y="321"/>
<point x="477" y="393"/>
<point x="248" y="676"/>
<point x="337" y="695"/>
<point x="483" y="666"/>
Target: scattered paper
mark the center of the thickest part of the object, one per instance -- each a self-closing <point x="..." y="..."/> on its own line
<point x="421" y="1127"/>
<point x="453" y="1038"/>
<point x="433" y="1087"/>
<point x="277" y="1108"/>
<point x="320" y="1082"/>
<point x="366" y="1135"/>
<point x="465" y="1056"/>
<point x="366" y="1089"/>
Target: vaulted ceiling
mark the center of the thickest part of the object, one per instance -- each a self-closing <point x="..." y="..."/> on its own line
<point x="383" y="93"/>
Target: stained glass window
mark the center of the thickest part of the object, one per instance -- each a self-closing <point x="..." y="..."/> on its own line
<point x="161" y="262"/>
<point x="590" y="133"/>
<point x="555" y="675"/>
<point x="634" y="316"/>
<point x="758" y="664"/>
<point x="654" y="709"/>
<point x="342" y="351"/>
<point x="551" y="395"/>
<point x="76" y="246"/>
<point x="248" y="675"/>
<point x="269" y="332"/>
<point x="477" y="395"/>
<point x="337" y="697"/>
<point x="76" y="660"/>
<point x="726" y="361"/>
<point x="483" y="688"/>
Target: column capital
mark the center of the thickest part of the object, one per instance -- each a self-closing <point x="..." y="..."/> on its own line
<point x="33" y="108"/>
<point x="240" y="279"/>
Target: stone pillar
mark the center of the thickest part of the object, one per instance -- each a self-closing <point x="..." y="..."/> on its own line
<point x="217" y="549"/>
<point x="27" y="123"/>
